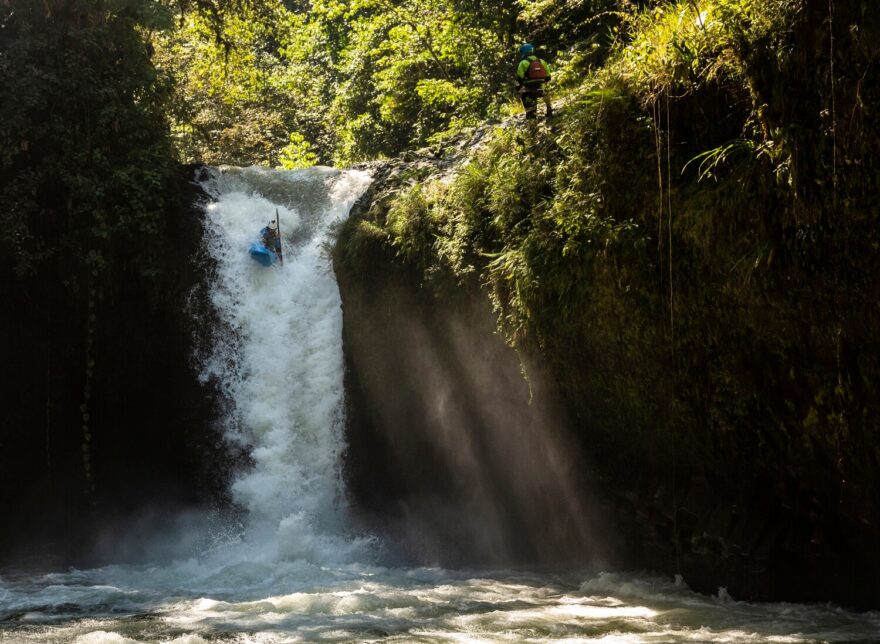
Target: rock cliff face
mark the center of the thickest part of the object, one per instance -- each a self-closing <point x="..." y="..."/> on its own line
<point x="451" y="435"/>
<point x="136" y="415"/>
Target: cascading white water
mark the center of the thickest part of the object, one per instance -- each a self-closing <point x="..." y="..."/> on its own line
<point x="279" y="355"/>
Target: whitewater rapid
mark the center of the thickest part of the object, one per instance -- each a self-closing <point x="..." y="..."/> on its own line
<point x="262" y="604"/>
<point x="287" y="567"/>
<point x="277" y="355"/>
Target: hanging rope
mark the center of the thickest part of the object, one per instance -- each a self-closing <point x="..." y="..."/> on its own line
<point x="672" y="334"/>
<point x="669" y="225"/>
<point x="665" y="202"/>
<point x="840" y="379"/>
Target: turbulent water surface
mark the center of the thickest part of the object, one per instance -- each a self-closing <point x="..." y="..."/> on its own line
<point x="292" y="570"/>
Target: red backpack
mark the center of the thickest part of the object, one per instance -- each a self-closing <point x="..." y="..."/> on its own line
<point x="536" y="70"/>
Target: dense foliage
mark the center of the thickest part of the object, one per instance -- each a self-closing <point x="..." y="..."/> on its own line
<point x="88" y="178"/>
<point x="282" y="84"/>
<point x="86" y="155"/>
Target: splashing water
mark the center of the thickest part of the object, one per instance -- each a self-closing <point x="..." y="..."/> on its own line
<point x="280" y="362"/>
<point x="296" y="573"/>
<point x="360" y="604"/>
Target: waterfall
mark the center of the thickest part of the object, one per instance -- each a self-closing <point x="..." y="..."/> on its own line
<point x="277" y="354"/>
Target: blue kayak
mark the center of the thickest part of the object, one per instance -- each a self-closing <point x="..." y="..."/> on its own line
<point x="261" y="254"/>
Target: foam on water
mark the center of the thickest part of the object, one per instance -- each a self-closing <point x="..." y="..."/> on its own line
<point x="353" y="603"/>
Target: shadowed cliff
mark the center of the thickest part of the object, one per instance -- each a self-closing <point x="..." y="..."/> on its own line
<point x="452" y="454"/>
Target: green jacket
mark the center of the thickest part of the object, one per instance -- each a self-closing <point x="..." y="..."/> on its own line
<point x="523" y="67"/>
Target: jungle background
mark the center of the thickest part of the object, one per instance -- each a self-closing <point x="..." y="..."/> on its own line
<point x="691" y="243"/>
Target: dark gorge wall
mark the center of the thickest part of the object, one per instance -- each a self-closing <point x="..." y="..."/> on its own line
<point x="105" y="429"/>
<point x="740" y="456"/>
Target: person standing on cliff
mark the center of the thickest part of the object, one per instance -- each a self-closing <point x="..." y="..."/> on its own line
<point x="532" y="74"/>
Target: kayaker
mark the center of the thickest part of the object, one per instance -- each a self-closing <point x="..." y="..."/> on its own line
<point x="270" y="238"/>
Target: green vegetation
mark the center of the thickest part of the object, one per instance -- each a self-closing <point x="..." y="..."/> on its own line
<point x="86" y="157"/>
<point x="693" y="246"/>
<point x="350" y="81"/>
